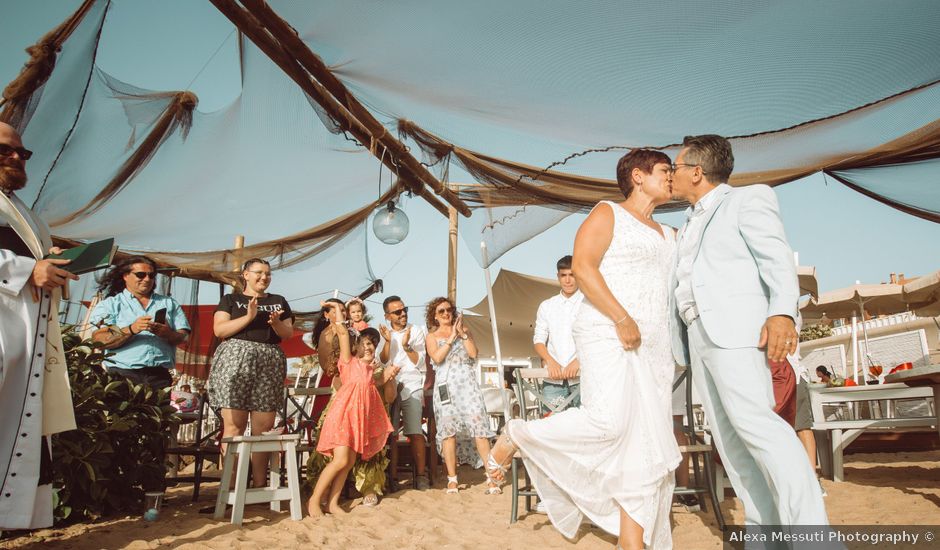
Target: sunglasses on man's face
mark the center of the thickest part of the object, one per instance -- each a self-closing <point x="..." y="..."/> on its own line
<point x="402" y="311"/>
<point x="8" y="150"/>
<point x="141" y="275"/>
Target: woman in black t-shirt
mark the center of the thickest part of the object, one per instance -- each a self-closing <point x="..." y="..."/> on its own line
<point x="248" y="368"/>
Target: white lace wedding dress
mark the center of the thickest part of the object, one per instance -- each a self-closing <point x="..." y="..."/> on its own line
<point x="618" y="449"/>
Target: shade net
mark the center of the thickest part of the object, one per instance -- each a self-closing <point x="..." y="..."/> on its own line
<point x="532" y="101"/>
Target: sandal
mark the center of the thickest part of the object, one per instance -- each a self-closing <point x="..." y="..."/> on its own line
<point x="371" y="500"/>
<point x="452" y="490"/>
<point x="492" y="486"/>
<point x="498" y="470"/>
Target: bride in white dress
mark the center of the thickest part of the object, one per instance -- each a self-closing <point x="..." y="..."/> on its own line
<point x="613" y="459"/>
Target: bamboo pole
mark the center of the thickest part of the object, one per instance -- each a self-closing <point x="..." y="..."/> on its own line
<point x="398" y="162"/>
<point x="237" y="256"/>
<point x="310" y="61"/>
<point x="452" y="257"/>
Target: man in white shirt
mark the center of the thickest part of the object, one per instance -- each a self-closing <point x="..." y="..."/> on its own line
<point x="404" y="347"/>
<point x="554" y="343"/>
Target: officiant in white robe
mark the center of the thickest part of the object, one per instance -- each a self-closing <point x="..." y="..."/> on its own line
<point x="35" y="398"/>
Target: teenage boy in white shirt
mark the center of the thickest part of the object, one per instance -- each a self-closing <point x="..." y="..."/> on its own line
<point x="553" y="341"/>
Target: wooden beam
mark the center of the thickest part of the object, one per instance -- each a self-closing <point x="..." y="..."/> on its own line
<point x="282" y="31"/>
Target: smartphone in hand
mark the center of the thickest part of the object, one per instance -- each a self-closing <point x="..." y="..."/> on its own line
<point x="160" y="316"/>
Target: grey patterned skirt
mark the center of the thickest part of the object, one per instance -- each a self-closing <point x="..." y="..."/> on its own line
<point x="247" y="376"/>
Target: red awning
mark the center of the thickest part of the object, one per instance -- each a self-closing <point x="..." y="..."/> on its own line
<point x="200" y="342"/>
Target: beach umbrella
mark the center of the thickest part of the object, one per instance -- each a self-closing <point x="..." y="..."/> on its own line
<point x="854" y="301"/>
<point x="876" y="299"/>
<point x="807" y="278"/>
<point x="923" y="294"/>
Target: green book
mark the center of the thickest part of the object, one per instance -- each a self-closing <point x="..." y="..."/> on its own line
<point x="87" y="257"/>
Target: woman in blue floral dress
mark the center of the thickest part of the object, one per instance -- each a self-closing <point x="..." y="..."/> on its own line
<point x="458" y="402"/>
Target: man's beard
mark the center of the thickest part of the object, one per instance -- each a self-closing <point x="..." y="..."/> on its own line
<point x="12" y="176"/>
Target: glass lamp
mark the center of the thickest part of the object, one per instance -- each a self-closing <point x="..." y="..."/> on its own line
<point x="390" y="224"/>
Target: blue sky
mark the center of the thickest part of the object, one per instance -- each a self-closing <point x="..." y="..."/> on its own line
<point x="845" y="235"/>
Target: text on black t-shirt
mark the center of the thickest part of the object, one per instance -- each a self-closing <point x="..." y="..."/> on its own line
<point x="258" y="330"/>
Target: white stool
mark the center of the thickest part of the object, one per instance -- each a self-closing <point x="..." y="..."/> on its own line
<point x="243" y="446"/>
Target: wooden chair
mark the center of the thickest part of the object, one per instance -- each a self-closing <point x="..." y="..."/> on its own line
<point x="298" y="413"/>
<point x="244" y="446"/>
<point x="698" y="451"/>
<point x="398" y="463"/>
<point x="208" y="423"/>
<point x="531" y="400"/>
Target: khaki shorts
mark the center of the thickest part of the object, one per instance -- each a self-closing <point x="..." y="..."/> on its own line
<point x="804" y="409"/>
<point x="412" y="411"/>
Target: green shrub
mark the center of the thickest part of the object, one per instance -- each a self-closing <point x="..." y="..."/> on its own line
<point x="814" y="332"/>
<point x="119" y="449"/>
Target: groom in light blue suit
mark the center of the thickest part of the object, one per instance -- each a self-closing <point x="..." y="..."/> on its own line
<point x="734" y="303"/>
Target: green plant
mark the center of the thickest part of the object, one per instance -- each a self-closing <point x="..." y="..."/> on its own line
<point x="814" y="332"/>
<point x="118" y="450"/>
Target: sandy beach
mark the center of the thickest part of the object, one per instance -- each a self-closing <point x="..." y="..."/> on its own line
<point x="880" y="489"/>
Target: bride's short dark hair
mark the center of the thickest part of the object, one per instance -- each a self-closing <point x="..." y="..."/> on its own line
<point x="644" y="159"/>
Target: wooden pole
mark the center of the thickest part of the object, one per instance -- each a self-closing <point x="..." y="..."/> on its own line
<point x="280" y="30"/>
<point x="305" y="68"/>
<point x="237" y="256"/>
<point x="452" y="254"/>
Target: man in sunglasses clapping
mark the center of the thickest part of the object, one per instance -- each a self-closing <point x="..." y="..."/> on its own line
<point x="403" y="346"/>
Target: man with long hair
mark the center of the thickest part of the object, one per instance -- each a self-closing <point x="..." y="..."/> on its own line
<point x="152" y="324"/>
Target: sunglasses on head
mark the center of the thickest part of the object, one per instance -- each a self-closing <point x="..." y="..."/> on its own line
<point x="401" y="311"/>
<point x="8" y="150"/>
<point x="141" y="275"/>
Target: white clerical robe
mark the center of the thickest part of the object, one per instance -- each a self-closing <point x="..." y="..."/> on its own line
<point x="35" y="398"/>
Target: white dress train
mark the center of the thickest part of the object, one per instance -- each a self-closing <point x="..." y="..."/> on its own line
<point x="618" y="449"/>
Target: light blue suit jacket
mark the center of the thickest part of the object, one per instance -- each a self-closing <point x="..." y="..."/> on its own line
<point x="742" y="273"/>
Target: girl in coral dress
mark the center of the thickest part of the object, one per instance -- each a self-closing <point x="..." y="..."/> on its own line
<point x="356" y="422"/>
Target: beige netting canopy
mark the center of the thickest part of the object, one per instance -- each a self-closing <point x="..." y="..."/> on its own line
<point x="533" y="101"/>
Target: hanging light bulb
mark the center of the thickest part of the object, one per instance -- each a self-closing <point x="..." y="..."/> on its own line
<point x="390" y="224"/>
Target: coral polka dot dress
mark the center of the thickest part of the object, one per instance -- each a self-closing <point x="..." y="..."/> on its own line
<point x="356" y="417"/>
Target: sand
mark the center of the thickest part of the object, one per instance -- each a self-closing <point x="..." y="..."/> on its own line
<point x="900" y="488"/>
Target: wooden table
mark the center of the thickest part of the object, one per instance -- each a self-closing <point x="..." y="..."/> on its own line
<point x="841" y="432"/>
<point x="922" y="376"/>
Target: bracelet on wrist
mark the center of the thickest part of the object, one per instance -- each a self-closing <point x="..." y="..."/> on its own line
<point x="625" y="317"/>
<point x="464" y="336"/>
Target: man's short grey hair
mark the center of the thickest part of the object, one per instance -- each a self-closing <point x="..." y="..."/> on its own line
<point x="711" y="152"/>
